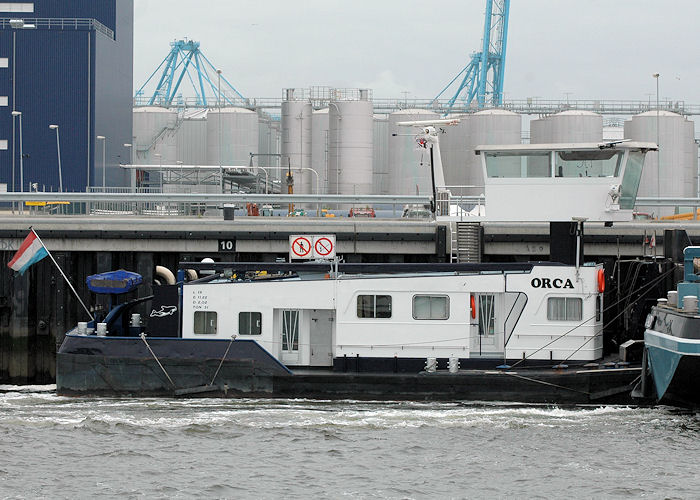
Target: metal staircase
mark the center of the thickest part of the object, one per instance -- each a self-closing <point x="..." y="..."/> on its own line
<point x="466" y="242"/>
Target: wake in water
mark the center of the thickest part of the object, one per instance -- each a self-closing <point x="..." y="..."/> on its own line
<point x="262" y="448"/>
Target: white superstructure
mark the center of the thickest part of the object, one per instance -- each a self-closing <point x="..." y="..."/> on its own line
<point x="550" y="312"/>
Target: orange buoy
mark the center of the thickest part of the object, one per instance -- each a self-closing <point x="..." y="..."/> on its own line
<point x="601" y="280"/>
<point x="472" y="304"/>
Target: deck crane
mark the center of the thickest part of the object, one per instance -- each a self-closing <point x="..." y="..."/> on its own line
<point x="186" y="58"/>
<point x="483" y="76"/>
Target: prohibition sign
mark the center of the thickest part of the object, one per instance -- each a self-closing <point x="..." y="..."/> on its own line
<point x="301" y="247"/>
<point x="323" y="247"/>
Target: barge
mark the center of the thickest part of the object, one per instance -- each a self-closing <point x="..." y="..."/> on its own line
<point x="525" y="332"/>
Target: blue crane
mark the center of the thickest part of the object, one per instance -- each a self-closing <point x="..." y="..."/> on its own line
<point x="483" y="76"/>
<point x="185" y="58"/>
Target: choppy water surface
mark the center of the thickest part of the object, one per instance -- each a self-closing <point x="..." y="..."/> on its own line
<point x="53" y="447"/>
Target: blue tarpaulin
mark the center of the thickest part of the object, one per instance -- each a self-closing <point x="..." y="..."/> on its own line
<point x="114" y="282"/>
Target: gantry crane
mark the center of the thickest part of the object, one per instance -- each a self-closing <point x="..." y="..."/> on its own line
<point x="185" y="58"/>
<point x="483" y="76"/>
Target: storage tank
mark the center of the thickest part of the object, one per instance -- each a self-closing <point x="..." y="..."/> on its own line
<point x="267" y="145"/>
<point x="491" y="126"/>
<point x="239" y="136"/>
<point x="380" y="155"/>
<point x="319" y="147"/>
<point x="191" y="137"/>
<point x="453" y="151"/>
<point x="567" y="126"/>
<point x="154" y="132"/>
<point x="350" y="128"/>
<point x="462" y="167"/>
<point x="296" y="139"/>
<point x="672" y="171"/>
<point x="409" y="166"/>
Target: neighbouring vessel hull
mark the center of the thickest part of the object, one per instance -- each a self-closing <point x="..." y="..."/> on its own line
<point x="675" y="368"/>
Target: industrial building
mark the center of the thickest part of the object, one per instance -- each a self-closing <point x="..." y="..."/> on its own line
<point x="68" y="65"/>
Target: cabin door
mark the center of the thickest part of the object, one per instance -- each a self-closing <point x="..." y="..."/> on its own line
<point x="290" y="336"/>
<point x="487" y="340"/>
<point x="321" y="337"/>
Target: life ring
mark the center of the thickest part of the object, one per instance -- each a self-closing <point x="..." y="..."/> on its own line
<point x="601" y="280"/>
<point x="472" y="305"/>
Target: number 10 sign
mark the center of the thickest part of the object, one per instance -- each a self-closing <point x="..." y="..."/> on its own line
<point x="312" y="246"/>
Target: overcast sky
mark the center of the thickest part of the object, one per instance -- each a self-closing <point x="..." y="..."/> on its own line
<point x="590" y="49"/>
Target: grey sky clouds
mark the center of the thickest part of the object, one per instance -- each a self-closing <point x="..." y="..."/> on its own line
<point x="591" y="49"/>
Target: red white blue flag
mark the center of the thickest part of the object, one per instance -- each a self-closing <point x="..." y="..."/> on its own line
<point x="30" y="252"/>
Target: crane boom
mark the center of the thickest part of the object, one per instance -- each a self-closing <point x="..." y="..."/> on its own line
<point x="482" y="78"/>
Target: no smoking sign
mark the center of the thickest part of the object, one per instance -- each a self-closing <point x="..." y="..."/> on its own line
<point x="317" y="246"/>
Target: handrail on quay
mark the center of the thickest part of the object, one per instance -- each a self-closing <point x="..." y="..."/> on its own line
<point x="531" y="106"/>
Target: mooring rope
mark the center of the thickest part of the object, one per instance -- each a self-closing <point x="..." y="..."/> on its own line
<point x="143" y="337"/>
<point x="233" y="337"/>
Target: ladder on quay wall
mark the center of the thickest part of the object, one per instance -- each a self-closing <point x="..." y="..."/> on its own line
<point x="466" y="242"/>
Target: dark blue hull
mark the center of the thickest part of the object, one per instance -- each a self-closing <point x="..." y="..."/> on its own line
<point x="119" y="366"/>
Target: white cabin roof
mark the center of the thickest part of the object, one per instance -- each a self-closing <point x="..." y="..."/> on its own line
<point x="572" y="146"/>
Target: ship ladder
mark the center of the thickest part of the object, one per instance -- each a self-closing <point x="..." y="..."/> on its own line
<point x="466" y="242"/>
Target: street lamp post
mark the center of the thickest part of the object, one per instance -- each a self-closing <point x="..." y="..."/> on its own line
<point x="102" y="138"/>
<point x="58" y="152"/>
<point x="21" y="159"/>
<point x="160" y="169"/>
<point x="21" y="153"/>
<point x="218" y="102"/>
<point x="658" y="152"/>
<point x="129" y="146"/>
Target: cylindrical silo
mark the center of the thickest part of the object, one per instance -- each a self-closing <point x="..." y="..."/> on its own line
<point x="567" y="127"/>
<point x="237" y="139"/>
<point x="350" y="144"/>
<point x="409" y="166"/>
<point x="154" y="132"/>
<point x="319" y="147"/>
<point x="380" y="154"/>
<point x="192" y="138"/>
<point x="672" y="171"/>
<point x="453" y="151"/>
<point x="491" y="126"/>
<point x="296" y="140"/>
<point x="463" y="170"/>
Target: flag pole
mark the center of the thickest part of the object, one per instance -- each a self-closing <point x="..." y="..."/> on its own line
<point x="64" y="276"/>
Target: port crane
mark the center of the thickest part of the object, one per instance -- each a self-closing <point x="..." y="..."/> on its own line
<point x="186" y="59"/>
<point x="482" y="77"/>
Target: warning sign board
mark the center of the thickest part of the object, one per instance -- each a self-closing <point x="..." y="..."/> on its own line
<point x="324" y="247"/>
<point x="300" y="247"/>
<point x="316" y="246"/>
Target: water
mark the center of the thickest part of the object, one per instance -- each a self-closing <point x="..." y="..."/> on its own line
<point x="56" y="447"/>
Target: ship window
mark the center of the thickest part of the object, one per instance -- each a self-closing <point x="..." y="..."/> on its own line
<point x="205" y="322"/>
<point x="431" y="307"/>
<point x="599" y="308"/>
<point x="16" y="7"/>
<point x="487" y="315"/>
<point x="249" y="323"/>
<point x="518" y="164"/>
<point x="374" y="306"/>
<point x="604" y="163"/>
<point x="564" y="309"/>
<point x="631" y="179"/>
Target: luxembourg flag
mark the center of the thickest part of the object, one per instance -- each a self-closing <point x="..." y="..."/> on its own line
<point x="30" y="252"/>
